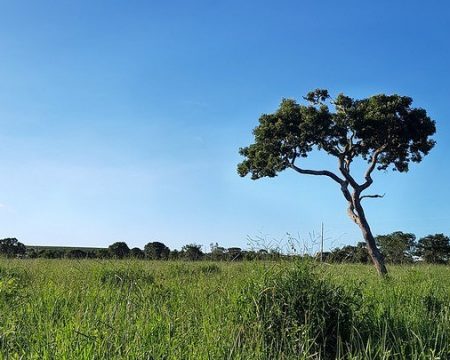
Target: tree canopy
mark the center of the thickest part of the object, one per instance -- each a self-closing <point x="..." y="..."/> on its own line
<point x="398" y="247"/>
<point x="383" y="129"/>
<point x="192" y="252"/>
<point x="137" y="253"/>
<point x="119" y="249"/>
<point x="11" y="247"/>
<point x="156" y="251"/>
<point x="434" y="248"/>
<point x="349" y="253"/>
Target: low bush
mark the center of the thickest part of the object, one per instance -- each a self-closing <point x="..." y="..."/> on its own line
<point x="301" y="313"/>
<point x="11" y="281"/>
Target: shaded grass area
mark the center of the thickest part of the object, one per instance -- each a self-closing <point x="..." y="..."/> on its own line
<point x="92" y="309"/>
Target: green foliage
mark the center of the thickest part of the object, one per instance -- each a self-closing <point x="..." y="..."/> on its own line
<point x="11" y="247"/>
<point x="384" y="123"/>
<point x="119" y="250"/>
<point x="383" y="130"/>
<point x="210" y="269"/>
<point x="234" y="254"/>
<point x="302" y="313"/>
<point x="103" y="253"/>
<point x="51" y="253"/>
<point x="192" y="252"/>
<point x="174" y="255"/>
<point x="434" y="248"/>
<point x="126" y="275"/>
<point x="398" y="247"/>
<point x="218" y="253"/>
<point x="11" y="283"/>
<point x="76" y="254"/>
<point x="137" y="253"/>
<point x="64" y="309"/>
<point x="350" y="254"/>
<point x="156" y="251"/>
<point x="69" y="252"/>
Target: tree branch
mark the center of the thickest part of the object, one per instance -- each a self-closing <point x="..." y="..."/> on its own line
<point x="371" y="196"/>
<point x="317" y="172"/>
<point x="344" y="189"/>
<point x="371" y="167"/>
<point x="346" y="173"/>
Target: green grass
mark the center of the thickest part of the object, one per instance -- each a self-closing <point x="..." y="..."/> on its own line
<point x="90" y="309"/>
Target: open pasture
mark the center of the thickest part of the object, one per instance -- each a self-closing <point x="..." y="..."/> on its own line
<point x="90" y="309"/>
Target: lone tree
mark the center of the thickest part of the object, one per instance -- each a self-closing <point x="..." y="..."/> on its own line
<point x="384" y="130"/>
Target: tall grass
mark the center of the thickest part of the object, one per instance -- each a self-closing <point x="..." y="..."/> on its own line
<point x="89" y="309"/>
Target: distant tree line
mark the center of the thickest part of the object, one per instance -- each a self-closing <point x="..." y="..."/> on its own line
<point x="396" y="248"/>
<point x="11" y="247"/>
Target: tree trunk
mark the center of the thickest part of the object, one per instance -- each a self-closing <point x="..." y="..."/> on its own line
<point x="375" y="254"/>
<point x="361" y="221"/>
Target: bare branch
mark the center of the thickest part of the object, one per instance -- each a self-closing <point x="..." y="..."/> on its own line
<point x="317" y="172"/>
<point x="346" y="173"/>
<point x="372" y="196"/>
<point x="371" y="167"/>
<point x="344" y="189"/>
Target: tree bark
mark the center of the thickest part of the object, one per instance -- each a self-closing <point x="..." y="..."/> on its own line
<point x="360" y="219"/>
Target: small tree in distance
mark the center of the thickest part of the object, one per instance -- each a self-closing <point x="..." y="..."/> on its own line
<point x="434" y="248"/>
<point x="398" y="247"/>
<point x="192" y="252"/>
<point x="119" y="249"/>
<point x="137" y="253"/>
<point x="383" y="130"/>
<point x="11" y="247"/>
<point x="349" y="253"/>
<point x="156" y="251"/>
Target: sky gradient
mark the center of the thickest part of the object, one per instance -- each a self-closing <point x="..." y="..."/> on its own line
<point x="122" y="120"/>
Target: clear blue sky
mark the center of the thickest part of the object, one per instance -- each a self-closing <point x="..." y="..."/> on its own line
<point x="121" y="120"/>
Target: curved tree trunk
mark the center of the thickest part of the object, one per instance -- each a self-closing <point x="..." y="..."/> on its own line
<point x="354" y="197"/>
<point x="360" y="219"/>
<point x="375" y="254"/>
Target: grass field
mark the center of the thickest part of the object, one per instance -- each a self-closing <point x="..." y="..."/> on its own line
<point x="67" y="309"/>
